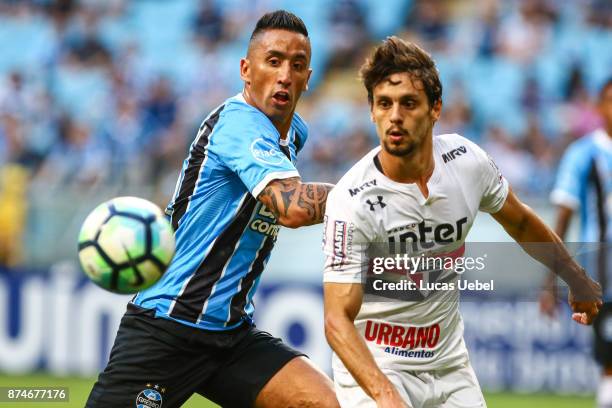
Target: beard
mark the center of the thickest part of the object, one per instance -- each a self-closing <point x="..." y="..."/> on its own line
<point x="401" y="150"/>
<point x="413" y="140"/>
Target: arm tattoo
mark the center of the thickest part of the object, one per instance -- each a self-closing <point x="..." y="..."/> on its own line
<point x="283" y="196"/>
<point x="277" y="195"/>
<point x="313" y="198"/>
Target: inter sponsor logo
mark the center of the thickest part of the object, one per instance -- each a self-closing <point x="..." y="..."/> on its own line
<point x="356" y="190"/>
<point x="454" y="153"/>
<point x="405" y="337"/>
<point x="426" y="236"/>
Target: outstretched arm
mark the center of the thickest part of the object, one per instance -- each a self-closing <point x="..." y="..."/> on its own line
<point x="295" y="204"/>
<point x="542" y="244"/>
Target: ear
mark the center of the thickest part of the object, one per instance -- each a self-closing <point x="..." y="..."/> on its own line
<point x="245" y="71"/>
<point x="372" y="114"/>
<point x="308" y="79"/>
<point x="436" y="110"/>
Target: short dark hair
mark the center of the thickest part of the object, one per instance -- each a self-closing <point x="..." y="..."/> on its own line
<point x="395" y="55"/>
<point x="604" y="88"/>
<point x="280" y="20"/>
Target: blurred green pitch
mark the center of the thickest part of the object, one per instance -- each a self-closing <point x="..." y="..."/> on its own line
<point x="80" y="387"/>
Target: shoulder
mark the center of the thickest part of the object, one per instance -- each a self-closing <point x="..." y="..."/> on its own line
<point x="459" y="150"/>
<point x="581" y="149"/>
<point x="238" y="116"/>
<point x="455" y="140"/>
<point x="450" y="139"/>
<point x="577" y="158"/>
<point x="359" y="178"/>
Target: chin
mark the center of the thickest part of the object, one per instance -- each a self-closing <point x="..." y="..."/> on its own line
<point x="400" y="151"/>
<point x="277" y="115"/>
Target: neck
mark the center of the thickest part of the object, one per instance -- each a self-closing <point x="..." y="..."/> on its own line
<point x="416" y="167"/>
<point x="283" y="128"/>
<point x="281" y="125"/>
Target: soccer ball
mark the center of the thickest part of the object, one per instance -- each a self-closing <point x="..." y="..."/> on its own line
<point x="126" y="244"/>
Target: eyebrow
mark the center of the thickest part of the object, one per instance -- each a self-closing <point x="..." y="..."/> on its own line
<point x="410" y="95"/>
<point x="280" y="54"/>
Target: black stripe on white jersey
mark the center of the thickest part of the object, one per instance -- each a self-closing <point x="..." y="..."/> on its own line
<point x="189" y="304"/>
<point x="239" y="300"/>
<point x="195" y="161"/>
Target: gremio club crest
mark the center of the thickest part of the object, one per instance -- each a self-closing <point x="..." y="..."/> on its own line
<point x="150" y="397"/>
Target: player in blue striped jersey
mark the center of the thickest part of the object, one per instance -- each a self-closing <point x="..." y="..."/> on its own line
<point x="584" y="185"/>
<point x="193" y="331"/>
<point x="224" y="234"/>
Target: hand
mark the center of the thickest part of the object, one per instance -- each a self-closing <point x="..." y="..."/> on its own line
<point x="549" y="299"/>
<point x="391" y="399"/>
<point x="585" y="302"/>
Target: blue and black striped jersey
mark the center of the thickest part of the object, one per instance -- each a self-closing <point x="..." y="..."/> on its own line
<point x="223" y="234"/>
<point x="584" y="183"/>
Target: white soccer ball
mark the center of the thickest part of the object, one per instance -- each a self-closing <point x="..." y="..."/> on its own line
<point x="126" y="244"/>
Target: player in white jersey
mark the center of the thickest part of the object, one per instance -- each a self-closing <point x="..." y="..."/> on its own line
<point x="419" y="194"/>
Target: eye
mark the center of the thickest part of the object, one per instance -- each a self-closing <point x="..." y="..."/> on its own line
<point x="383" y="103"/>
<point x="410" y="104"/>
<point x="275" y="62"/>
<point x="298" y="66"/>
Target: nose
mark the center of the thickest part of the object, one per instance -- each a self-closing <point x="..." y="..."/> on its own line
<point x="284" y="74"/>
<point x="395" y="116"/>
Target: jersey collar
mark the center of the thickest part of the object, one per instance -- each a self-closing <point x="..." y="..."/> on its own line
<point x="411" y="187"/>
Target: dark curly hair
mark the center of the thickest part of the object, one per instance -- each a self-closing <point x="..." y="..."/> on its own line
<point x="395" y="55"/>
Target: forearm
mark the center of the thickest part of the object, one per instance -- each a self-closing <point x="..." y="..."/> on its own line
<point x="296" y="204"/>
<point x="542" y="244"/>
<point x="564" y="216"/>
<point x="357" y="358"/>
<point x="308" y="204"/>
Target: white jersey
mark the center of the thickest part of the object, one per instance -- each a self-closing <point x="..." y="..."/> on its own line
<point x="367" y="207"/>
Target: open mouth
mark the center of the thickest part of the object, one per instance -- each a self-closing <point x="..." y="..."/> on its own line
<point x="281" y="97"/>
<point x="396" y="133"/>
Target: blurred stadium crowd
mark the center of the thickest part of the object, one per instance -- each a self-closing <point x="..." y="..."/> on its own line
<point x="102" y="94"/>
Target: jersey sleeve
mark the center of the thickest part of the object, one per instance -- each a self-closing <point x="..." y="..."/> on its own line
<point x="570" y="178"/>
<point x="345" y="243"/>
<point x="494" y="186"/>
<point x="248" y="145"/>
